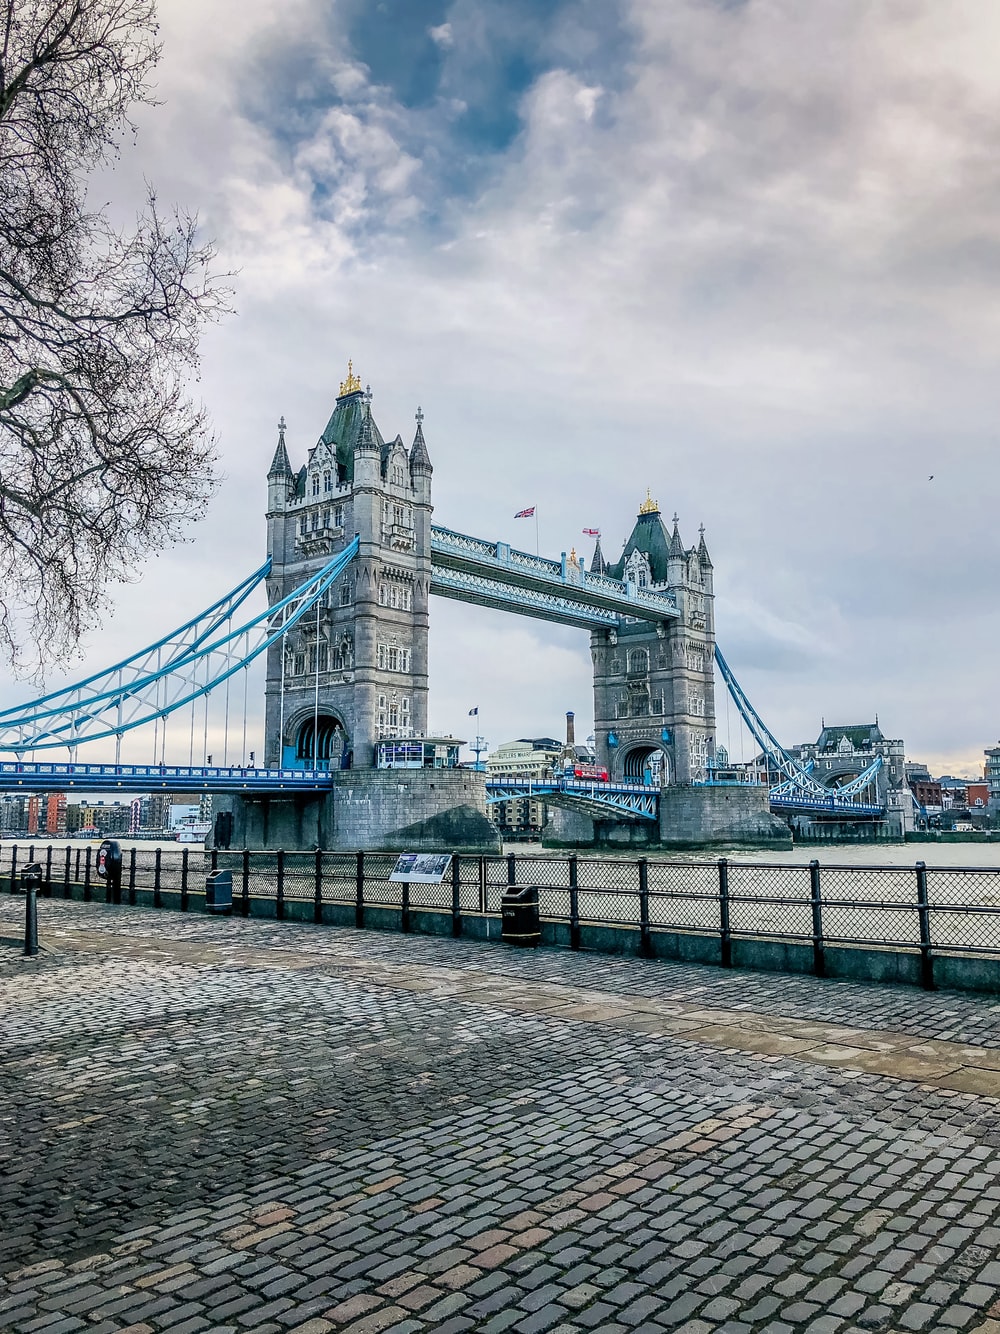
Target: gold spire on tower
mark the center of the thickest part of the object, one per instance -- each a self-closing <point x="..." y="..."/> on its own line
<point x="352" y="384"/>
<point x="649" y="505"/>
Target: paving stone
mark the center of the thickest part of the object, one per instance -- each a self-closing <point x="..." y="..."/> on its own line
<point x="420" y="1158"/>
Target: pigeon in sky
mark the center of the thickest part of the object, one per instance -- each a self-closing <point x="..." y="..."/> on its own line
<point x="931" y="478"/>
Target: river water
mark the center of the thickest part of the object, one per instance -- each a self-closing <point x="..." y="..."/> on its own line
<point x="827" y="854"/>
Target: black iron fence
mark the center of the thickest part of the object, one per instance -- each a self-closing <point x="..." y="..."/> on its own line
<point x="920" y="909"/>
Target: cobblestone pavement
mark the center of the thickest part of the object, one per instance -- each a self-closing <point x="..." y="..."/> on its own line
<point x="251" y="1126"/>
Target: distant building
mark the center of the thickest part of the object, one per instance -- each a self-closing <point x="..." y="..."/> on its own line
<point x="533" y="758"/>
<point x="993" y="777"/>
<point x="977" y="795"/>
<point x="928" y="794"/>
<point x="107" y="818"/>
<point x="55" y="814"/>
<point x="13" y="816"/>
<point x="954" y="792"/>
<point x="843" y="751"/>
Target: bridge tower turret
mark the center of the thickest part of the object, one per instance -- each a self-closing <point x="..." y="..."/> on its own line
<point x="654" y="692"/>
<point x="355" y="670"/>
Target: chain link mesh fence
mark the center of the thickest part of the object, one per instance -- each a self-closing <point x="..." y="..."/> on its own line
<point x="856" y="906"/>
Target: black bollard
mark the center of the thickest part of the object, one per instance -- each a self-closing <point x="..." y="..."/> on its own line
<point x="30" y="921"/>
<point x="31" y="882"/>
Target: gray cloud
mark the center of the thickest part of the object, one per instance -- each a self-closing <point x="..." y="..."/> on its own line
<point x="753" y="269"/>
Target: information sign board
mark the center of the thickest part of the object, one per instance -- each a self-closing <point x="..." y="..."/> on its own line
<point x="421" y="868"/>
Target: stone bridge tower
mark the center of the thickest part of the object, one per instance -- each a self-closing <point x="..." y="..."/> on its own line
<point x="654" y="688"/>
<point x="356" y="671"/>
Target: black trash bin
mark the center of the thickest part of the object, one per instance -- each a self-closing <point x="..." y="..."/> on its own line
<point x="219" y="892"/>
<point x="519" y="916"/>
<point x="109" y="869"/>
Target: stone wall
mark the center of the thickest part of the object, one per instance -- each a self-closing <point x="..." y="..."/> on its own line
<point x="372" y="810"/>
<point x="689" y="817"/>
<point x="695" y="816"/>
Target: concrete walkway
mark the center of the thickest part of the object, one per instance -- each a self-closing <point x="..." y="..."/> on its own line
<point x="253" y="1126"/>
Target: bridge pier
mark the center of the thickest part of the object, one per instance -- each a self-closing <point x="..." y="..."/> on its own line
<point x="690" y="817"/>
<point x="371" y="810"/>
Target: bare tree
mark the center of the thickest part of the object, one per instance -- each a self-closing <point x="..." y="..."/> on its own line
<point x="103" y="455"/>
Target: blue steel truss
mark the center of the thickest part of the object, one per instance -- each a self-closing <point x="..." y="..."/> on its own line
<point x="798" y="790"/>
<point x="495" y="574"/>
<point x="17" y="777"/>
<point x="178" y="670"/>
<point x="630" y="801"/>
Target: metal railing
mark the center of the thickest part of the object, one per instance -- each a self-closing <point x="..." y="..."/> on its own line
<point x="919" y="909"/>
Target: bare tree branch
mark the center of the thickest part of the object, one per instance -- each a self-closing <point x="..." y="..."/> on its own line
<point x="103" y="455"/>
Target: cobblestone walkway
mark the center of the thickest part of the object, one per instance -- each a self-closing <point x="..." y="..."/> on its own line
<point x="250" y="1126"/>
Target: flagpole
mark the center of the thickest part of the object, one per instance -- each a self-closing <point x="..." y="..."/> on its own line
<point x="537" y="549"/>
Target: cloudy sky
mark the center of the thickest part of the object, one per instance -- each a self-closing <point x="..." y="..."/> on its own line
<point x="742" y="252"/>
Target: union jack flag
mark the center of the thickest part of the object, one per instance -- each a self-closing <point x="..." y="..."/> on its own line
<point x="525" y="514"/>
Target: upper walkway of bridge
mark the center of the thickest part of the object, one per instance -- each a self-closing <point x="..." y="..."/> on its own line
<point x="495" y="574"/>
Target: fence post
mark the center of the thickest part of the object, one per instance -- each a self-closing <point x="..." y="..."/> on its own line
<point x="48" y="872"/>
<point x="13" y="868"/>
<point x="245" y="891"/>
<point x="184" y="880"/>
<point x="67" y="892"/>
<point x="574" y="903"/>
<point x="131" y="879"/>
<point x="511" y="869"/>
<point x="157" y="900"/>
<point x="645" y="940"/>
<point x="279" y="904"/>
<point x="76" y="876"/>
<point x="483" y="904"/>
<point x="215" y="859"/>
<point x="456" y="900"/>
<point x="404" y="911"/>
<point x="318" y="888"/>
<point x="86" y="878"/>
<point x="816" y="900"/>
<point x="359" y="893"/>
<point x="924" y="917"/>
<point x="725" y="943"/>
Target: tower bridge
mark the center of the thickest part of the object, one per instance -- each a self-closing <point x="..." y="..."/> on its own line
<point x="352" y="561"/>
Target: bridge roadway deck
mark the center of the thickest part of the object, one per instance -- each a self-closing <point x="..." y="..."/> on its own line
<point x="246" y="1125"/>
<point x="48" y="777"/>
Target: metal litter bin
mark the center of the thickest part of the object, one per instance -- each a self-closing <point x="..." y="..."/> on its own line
<point x="219" y="892"/>
<point x="519" y="916"/>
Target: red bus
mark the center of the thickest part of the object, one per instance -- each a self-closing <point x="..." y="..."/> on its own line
<point x="593" y="772"/>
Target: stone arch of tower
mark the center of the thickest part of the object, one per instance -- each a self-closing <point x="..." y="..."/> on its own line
<point x="320" y="741"/>
<point x="643" y="759"/>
